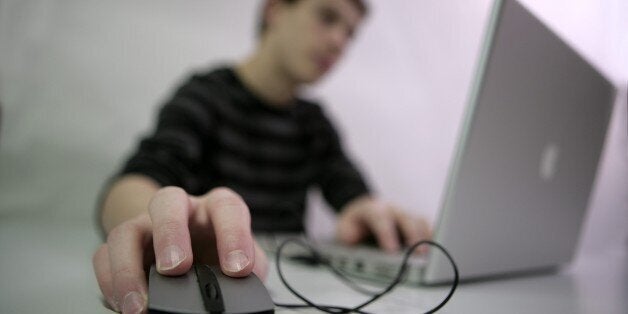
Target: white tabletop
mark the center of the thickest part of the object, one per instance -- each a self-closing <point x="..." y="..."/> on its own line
<point x="596" y="284"/>
<point x="45" y="267"/>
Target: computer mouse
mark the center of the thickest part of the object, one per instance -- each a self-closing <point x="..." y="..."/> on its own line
<point x="205" y="289"/>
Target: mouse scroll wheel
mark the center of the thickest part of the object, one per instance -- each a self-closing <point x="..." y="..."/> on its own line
<point x="209" y="288"/>
<point x="211" y="291"/>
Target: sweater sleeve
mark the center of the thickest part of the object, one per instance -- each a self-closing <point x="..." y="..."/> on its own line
<point x="173" y="153"/>
<point x="339" y="178"/>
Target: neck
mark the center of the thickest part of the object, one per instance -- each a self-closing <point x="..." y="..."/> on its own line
<point x="265" y="79"/>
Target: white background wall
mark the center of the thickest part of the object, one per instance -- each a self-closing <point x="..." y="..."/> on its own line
<point x="80" y="80"/>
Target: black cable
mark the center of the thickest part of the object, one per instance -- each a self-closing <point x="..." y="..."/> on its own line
<point x="390" y="287"/>
<point x="311" y="260"/>
<point x="316" y="260"/>
<point x="325" y="308"/>
<point x="350" y="283"/>
<point x="309" y="303"/>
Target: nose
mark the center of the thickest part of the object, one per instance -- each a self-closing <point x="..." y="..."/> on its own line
<point x="339" y="37"/>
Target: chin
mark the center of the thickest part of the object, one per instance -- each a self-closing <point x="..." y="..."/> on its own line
<point x="311" y="80"/>
<point x="312" y="76"/>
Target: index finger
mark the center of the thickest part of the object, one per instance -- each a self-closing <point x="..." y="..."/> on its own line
<point x="169" y="212"/>
<point x="382" y="225"/>
<point x="231" y="221"/>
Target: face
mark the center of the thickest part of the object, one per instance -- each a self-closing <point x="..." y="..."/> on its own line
<point x="308" y="37"/>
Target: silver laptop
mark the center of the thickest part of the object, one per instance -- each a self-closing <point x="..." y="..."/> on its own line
<point x="525" y="164"/>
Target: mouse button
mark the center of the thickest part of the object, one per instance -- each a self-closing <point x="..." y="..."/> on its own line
<point x="243" y="295"/>
<point x="210" y="289"/>
<point x="178" y="294"/>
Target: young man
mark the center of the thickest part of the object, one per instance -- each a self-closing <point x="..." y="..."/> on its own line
<point x="235" y="150"/>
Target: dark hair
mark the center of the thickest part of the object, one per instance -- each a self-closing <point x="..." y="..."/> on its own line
<point x="359" y="4"/>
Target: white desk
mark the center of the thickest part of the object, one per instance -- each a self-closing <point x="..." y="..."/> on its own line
<point x="45" y="267"/>
<point x="593" y="285"/>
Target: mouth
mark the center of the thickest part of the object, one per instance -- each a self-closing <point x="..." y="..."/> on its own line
<point x="324" y="63"/>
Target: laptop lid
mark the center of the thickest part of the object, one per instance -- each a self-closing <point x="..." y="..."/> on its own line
<point x="527" y="157"/>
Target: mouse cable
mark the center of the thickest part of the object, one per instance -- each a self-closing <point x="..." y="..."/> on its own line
<point x="347" y="281"/>
<point x="390" y="287"/>
<point x="317" y="260"/>
<point x="314" y="260"/>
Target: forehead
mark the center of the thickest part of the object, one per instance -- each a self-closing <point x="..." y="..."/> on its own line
<point x="346" y="10"/>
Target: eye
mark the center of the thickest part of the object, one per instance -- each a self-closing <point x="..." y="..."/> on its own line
<point x="328" y="16"/>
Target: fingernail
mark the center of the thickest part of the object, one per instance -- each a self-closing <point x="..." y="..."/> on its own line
<point x="133" y="303"/>
<point x="170" y="258"/>
<point x="236" y="261"/>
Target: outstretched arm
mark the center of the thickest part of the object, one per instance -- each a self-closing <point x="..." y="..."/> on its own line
<point x="173" y="229"/>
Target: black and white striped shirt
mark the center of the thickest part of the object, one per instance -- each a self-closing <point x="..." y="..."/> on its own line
<point x="214" y="132"/>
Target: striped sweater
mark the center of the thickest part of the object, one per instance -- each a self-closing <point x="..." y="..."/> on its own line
<point x="214" y="132"/>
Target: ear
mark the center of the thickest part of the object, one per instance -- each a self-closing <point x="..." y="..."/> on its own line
<point x="271" y="11"/>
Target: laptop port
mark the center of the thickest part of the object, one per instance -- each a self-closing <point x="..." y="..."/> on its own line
<point x="359" y="266"/>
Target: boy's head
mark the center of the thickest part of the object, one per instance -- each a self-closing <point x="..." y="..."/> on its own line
<point x="359" y="5"/>
<point x="305" y="38"/>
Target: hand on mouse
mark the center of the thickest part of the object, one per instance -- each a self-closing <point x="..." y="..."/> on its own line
<point x="366" y="215"/>
<point x="177" y="229"/>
